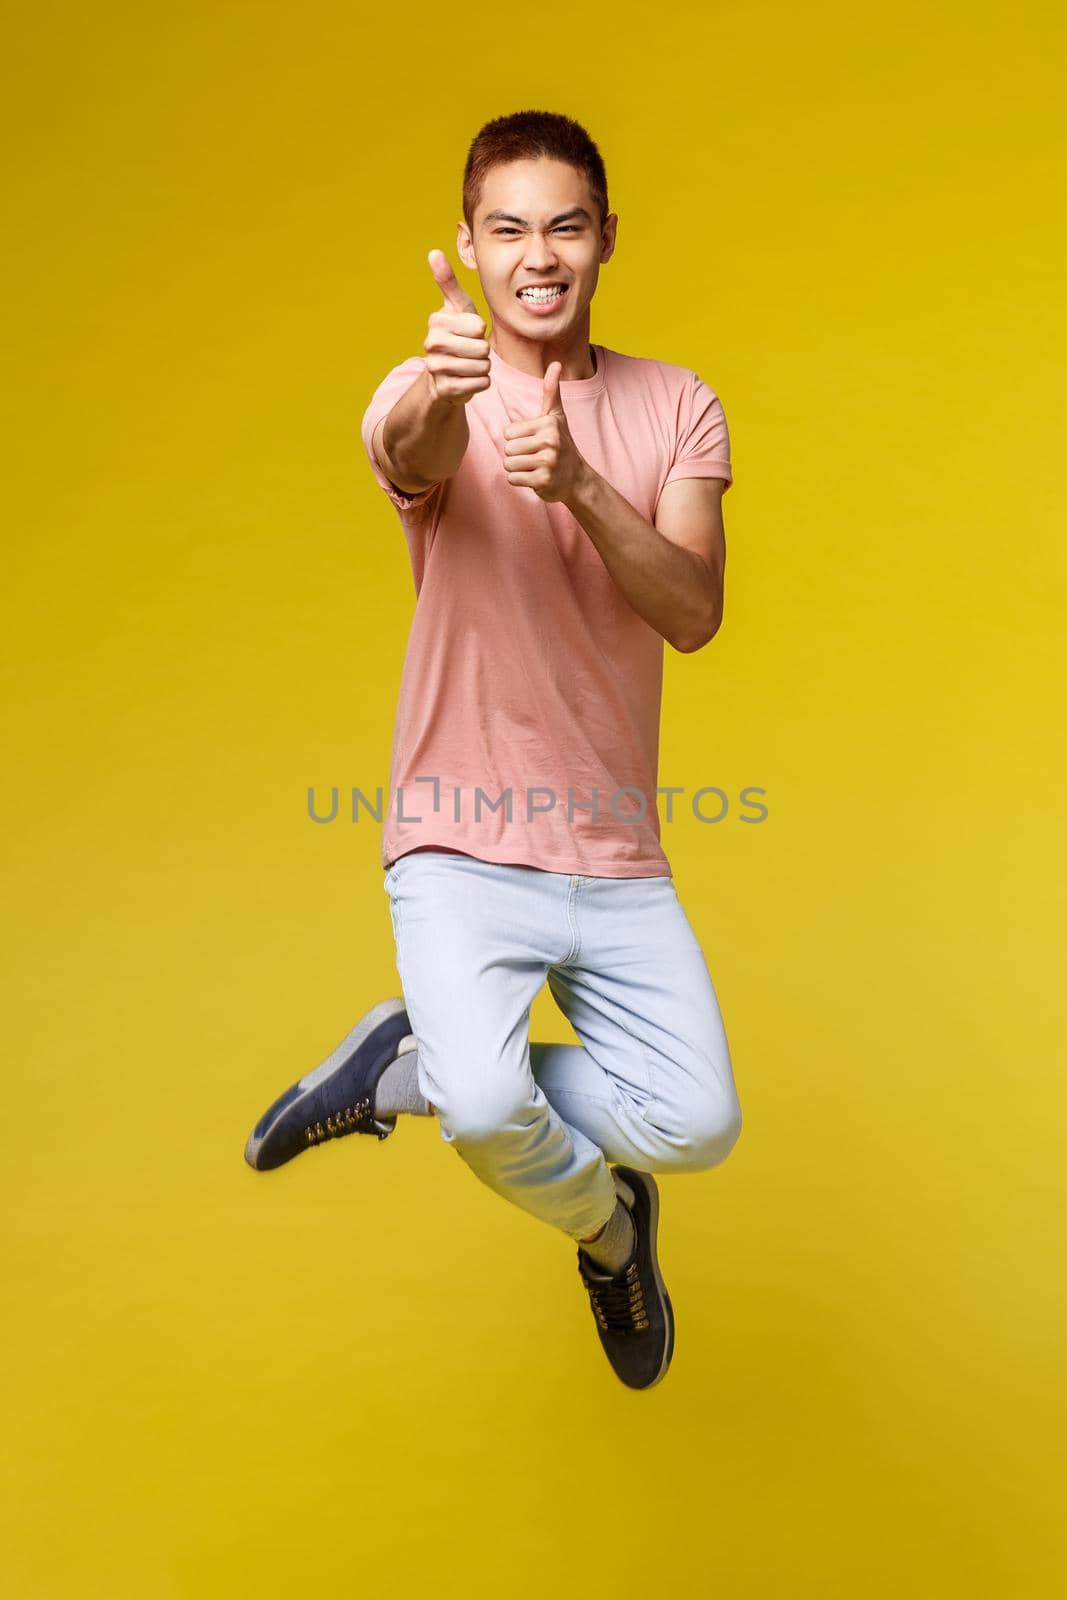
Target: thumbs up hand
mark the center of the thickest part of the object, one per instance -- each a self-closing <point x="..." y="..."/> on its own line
<point x="457" y="351"/>
<point x="539" y="453"/>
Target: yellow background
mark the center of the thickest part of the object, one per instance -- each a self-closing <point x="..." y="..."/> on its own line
<point x="364" y="1373"/>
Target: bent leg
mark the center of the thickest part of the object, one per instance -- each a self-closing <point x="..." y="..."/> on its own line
<point x="474" y="942"/>
<point x="652" y="1081"/>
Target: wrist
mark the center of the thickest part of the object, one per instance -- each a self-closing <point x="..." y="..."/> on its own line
<point x="582" y="487"/>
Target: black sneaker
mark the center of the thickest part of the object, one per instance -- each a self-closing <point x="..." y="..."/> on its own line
<point x="337" y="1097"/>
<point x="633" y="1309"/>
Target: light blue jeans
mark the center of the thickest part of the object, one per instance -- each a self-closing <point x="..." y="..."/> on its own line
<point x="651" y="1083"/>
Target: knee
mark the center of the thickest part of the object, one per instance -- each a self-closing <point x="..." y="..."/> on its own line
<point x="712" y="1127"/>
<point x="473" y="1113"/>
<point x="719" y="1132"/>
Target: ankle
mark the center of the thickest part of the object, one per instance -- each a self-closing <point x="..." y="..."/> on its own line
<point x="589" y="1237"/>
<point x="398" y="1089"/>
<point x="611" y="1248"/>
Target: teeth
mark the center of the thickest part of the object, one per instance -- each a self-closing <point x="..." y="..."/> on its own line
<point x="540" y="294"/>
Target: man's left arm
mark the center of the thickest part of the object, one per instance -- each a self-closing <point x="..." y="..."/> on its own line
<point x="671" y="570"/>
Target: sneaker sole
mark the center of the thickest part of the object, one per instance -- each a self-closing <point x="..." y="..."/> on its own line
<point x="631" y="1176"/>
<point x="337" y="1058"/>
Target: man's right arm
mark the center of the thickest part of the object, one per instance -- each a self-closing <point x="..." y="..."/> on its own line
<point x="422" y="440"/>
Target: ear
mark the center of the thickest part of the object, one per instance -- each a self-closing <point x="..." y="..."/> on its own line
<point x="465" y="246"/>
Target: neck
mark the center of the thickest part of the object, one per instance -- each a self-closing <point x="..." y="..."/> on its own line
<point x="535" y="356"/>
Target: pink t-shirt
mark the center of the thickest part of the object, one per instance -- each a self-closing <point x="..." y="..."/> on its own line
<point x="527" y="728"/>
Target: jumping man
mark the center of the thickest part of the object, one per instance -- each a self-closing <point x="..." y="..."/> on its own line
<point x="562" y="506"/>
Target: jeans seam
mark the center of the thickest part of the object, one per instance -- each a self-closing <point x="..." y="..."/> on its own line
<point x="572" y="923"/>
<point x="580" y="1094"/>
<point x="651" y="1100"/>
<point x="647" y="1060"/>
<point x="394" y="906"/>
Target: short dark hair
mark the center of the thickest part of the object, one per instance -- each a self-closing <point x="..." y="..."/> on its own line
<point x="525" y="136"/>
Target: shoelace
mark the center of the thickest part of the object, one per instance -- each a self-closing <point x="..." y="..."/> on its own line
<point x="619" y="1307"/>
<point x="350" y="1119"/>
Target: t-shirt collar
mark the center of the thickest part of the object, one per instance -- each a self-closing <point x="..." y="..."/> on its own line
<point x="525" y="383"/>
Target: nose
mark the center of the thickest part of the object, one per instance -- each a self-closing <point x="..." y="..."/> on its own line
<point x="538" y="257"/>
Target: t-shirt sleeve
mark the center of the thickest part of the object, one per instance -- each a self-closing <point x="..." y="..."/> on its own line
<point x="385" y="397"/>
<point x="703" y="449"/>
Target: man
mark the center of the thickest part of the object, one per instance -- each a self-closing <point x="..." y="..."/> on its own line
<point x="562" y="508"/>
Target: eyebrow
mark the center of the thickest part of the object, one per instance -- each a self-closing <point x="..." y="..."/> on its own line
<point x="564" y="216"/>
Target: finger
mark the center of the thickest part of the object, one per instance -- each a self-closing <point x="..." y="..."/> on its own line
<point x="456" y="297"/>
<point x="458" y="324"/>
<point x="457" y="333"/>
<point x="523" y="480"/>
<point x="521" y="427"/>
<point x="457" y="366"/>
<point x="526" y="444"/>
<point x="551" y="401"/>
<point x="533" y="450"/>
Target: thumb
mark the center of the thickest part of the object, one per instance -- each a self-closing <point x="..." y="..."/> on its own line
<point x="551" y="400"/>
<point x="456" y="297"/>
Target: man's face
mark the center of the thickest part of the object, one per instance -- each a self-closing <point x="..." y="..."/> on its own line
<point x="537" y="223"/>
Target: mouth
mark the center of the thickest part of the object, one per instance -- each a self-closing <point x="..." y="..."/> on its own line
<point x="543" y="298"/>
